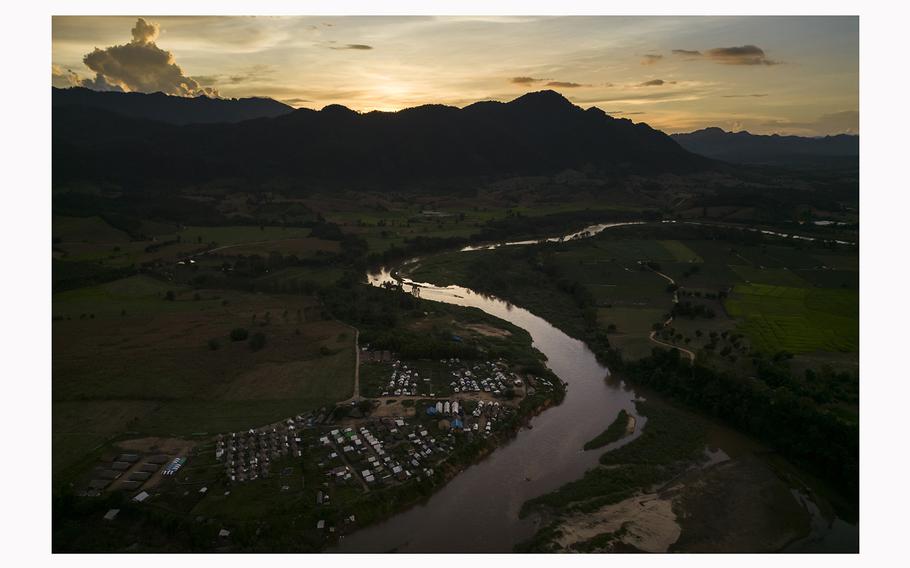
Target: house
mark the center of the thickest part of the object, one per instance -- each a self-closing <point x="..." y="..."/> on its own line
<point x="111" y="514"/>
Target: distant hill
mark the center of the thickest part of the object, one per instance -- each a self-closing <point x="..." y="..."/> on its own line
<point x="171" y="109"/>
<point x="537" y="133"/>
<point x="747" y="148"/>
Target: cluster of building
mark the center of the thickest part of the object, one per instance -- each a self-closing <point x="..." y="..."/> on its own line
<point x="489" y="376"/>
<point x="403" y="381"/>
<point x="248" y="455"/>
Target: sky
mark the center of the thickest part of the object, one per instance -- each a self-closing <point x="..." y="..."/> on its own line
<point x="785" y="75"/>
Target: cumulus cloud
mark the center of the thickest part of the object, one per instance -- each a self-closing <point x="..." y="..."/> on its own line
<point x="141" y="65"/>
<point x="65" y="78"/>
<point x="651" y="58"/>
<point x="742" y="55"/>
<point x="652" y="83"/>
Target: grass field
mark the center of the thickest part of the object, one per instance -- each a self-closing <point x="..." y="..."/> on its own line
<point x="240" y="234"/>
<point x="169" y="368"/>
<point x="797" y="320"/>
<point x="86" y="230"/>
<point x="299" y="247"/>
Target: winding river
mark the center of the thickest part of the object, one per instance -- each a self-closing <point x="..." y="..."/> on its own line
<point x="477" y="511"/>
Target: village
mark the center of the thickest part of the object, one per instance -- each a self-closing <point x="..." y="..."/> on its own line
<point x="421" y="412"/>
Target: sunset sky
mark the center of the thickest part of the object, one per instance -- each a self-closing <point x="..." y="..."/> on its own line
<point x="789" y="75"/>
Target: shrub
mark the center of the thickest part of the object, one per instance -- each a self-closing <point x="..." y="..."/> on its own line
<point x="239" y="334"/>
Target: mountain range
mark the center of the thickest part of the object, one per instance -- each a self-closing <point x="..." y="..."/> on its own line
<point x="152" y="140"/>
<point x="165" y="108"/>
<point x="746" y="148"/>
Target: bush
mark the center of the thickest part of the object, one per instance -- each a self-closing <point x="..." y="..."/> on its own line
<point x="239" y="334"/>
<point x="214" y="345"/>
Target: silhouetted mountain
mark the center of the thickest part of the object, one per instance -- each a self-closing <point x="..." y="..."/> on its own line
<point x="172" y="109"/>
<point x="537" y="133"/>
<point x="746" y="148"/>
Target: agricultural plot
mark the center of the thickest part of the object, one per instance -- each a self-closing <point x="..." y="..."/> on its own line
<point x="797" y="320"/>
<point x="299" y="247"/>
<point x="85" y="230"/>
<point x="769" y="276"/>
<point x="633" y="325"/>
<point x="126" y="358"/>
<point x="680" y="252"/>
<point x="295" y="277"/>
<point x="240" y="234"/>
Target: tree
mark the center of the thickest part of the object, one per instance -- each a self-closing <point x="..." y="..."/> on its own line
<point x="239" y="334"/>
<point x="169" y="296"/>
<point x="214" y="345"/>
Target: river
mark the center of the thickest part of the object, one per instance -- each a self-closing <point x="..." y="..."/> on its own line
<point x="477" y="511"/>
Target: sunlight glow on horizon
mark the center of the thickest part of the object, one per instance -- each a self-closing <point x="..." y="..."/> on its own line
<point x="788" y="75"/>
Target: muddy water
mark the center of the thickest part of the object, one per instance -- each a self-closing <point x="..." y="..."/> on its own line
<point x="477" y="511"/>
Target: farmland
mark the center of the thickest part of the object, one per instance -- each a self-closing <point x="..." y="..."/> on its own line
<point x="128" y="358"/>
<point x="798" y="320"/>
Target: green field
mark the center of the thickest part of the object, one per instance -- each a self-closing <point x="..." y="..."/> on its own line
<point x="127" y="359"/>
<point x="797" y="320"/>
<point x="240" y="234"/>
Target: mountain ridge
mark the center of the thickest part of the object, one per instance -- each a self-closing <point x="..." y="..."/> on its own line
<point x="537" y="133"/>
<point x="775" y="149"/>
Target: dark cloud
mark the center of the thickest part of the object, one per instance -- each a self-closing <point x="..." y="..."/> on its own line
<point x="745" y="96"/>
<point x="652" y="83"/>
<point x="651" y="59"/>
<point x="687" y="52"/>
<point x="357" y="46"/>
<point x="742" y="55"/>
<point x="295" y="101"/>
<point x="565" y="84"/>
<point x="525" y="80"/>
<point x="140" y="65"/>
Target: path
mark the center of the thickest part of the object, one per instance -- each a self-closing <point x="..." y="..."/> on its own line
<point x="653" y="335"/>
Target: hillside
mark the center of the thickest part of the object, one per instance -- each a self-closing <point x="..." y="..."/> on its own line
<point x="170" y="109"/>
<point x="746" y="148"/>
<point x="537" y="133"/>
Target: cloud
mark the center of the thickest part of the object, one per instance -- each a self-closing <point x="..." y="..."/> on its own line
<point x="295" y="101"/>
<point x="651" y="59"/>
<point x="742" y="55"/>
<point x="142" y="66"/>
<point x="565" y="84"/>
<point x="356" y="46"/>
<point x="687" y="52"/>
<point x="652" y="83"/>
<point x="525" y="80"/>
<point x="842" y="122"/>
<point x="65" y="78"/>
<point x="745" y="96"/>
